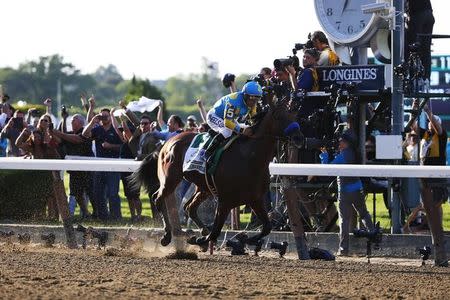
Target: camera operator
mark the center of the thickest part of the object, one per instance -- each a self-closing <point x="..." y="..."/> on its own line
<point x="350" y="192"/>
<point x="327" y="56"/>
<point x="434" y="191"/>
<point x="285" y="75"/>
<point x="42" y="144"/>
<point x="308" y="80"/>
<point x="420" y="20"/>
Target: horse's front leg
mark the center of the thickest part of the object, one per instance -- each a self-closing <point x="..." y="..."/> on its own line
<point x="261" y="214"/>
<point x="191" y="208"/>
<point x="222" y="212"/>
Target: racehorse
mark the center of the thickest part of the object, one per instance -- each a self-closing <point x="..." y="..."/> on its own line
<point x="242" y="174"/>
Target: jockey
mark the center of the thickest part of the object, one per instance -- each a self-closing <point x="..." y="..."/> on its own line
<point x="228" y="110"/>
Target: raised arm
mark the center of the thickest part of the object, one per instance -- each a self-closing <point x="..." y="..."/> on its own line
<point x="201" y="109"/>
<point x="71" y="138"/>
<point x="87" y="131"/>
<point x="115" y="125"/>
<point x="434" y="122"/>
<point x="91" y="113"/>
<point x="48" y="106"/>
<point x="21" y="140"/>
<point x="160" y="116"/>
<point x="84" y="102"/>
<point x="130" y="115"/>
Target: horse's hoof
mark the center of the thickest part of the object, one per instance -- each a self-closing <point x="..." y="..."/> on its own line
<point x="205" y="231"/>
<point x="203" y="247"/>
<point x="201" y="241"/>
<point x="166" y="239"/>
<point x="192" y="240"/>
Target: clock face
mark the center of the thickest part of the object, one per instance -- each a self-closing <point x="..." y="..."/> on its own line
<point x="343" y="20"/>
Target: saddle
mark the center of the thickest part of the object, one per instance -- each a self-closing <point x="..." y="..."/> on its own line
<point x="212" y="164"/>
<point x="194" y="159"/>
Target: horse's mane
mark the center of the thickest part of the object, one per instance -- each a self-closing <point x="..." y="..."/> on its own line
<point x="257" y="119"/>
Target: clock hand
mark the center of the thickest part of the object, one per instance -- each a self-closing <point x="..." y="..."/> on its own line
<point x="346" y="3"/>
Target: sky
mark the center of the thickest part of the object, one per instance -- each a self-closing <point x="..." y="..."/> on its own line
<point x="159" y="39"/>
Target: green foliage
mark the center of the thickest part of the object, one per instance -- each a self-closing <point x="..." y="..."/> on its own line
<point x="142" y="87"/>
<point x="33" y="81"/>
<point x="39" y="79"/>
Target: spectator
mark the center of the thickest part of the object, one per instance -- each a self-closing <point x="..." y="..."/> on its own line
<point x="204" y="127"/>
<point x="191" y="124"/>
<point x="126" y="132"/>
<point x="42" y="144"/>
<point x="80" y="182"/>
<point x="350" y="192"/>
<point x="107" y="144"/>
<point x="266" y="73"/>
<point x="327" y="56"/>
<point x="12" y="130"/>
<point x="141" y="141"/>
<point x="433" y="191"/>
<point x="173" y="127"/>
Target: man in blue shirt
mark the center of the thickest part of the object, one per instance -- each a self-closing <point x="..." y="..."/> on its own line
<point x="350" y="193"/>
<point x="107" y="144"/>
<point x="173" y="126"/>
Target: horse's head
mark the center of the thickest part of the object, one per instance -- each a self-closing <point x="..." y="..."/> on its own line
<point x="280" y="123"/>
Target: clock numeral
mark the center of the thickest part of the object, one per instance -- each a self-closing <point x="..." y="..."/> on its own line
<point x="338" y="24"/>
<point x="329" y="11"/>
<point x="350" y="29"/>
<point x="362" y="24"/>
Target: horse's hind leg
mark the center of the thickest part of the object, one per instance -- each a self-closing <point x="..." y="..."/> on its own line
<point x="169" y="182"/>
<point x="191" y="209"/>
<point x="261" y="213"/>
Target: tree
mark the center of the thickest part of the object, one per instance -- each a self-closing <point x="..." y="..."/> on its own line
<point x="142" y="87"/>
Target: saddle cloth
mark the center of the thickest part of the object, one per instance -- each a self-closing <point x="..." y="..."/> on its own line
<point x="194" y="159"/>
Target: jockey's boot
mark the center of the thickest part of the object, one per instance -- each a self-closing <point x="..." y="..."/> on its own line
<point x="212" y="147"/>
<point x="71" y="240"/>
<point x="302" y="248"/>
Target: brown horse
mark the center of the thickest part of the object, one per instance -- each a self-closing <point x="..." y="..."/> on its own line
<point x="242" y="175"/>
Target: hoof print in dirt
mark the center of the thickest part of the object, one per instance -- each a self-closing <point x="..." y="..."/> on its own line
<point x="24" y="238"/>
<point x="6" y="236"/>
<point x="183" y="255"/>
<point x="48" y="238"/>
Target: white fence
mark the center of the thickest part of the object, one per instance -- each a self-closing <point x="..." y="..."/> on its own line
<point x="126" y="165"/>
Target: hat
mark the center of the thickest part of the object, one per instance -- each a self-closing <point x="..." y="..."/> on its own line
<point x="192" y="118"/>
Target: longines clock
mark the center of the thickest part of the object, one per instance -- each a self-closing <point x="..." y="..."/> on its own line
<point x="345" y="23"/>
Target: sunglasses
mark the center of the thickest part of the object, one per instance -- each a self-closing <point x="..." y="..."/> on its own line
<point x="45" y="120"/>
<point x="145" y="123"/>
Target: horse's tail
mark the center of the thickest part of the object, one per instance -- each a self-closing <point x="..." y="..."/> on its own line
<point x="146" y="175"/>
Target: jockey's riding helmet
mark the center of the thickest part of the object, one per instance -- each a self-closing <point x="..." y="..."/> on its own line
<point x="252" y="88"/>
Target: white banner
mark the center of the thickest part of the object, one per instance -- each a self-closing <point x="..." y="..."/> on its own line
<point x="144" y="104"/>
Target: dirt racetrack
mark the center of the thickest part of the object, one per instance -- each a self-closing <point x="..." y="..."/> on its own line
<point x="34" y="272"/>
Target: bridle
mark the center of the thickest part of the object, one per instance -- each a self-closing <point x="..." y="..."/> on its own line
<point x="273" y="111"/>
